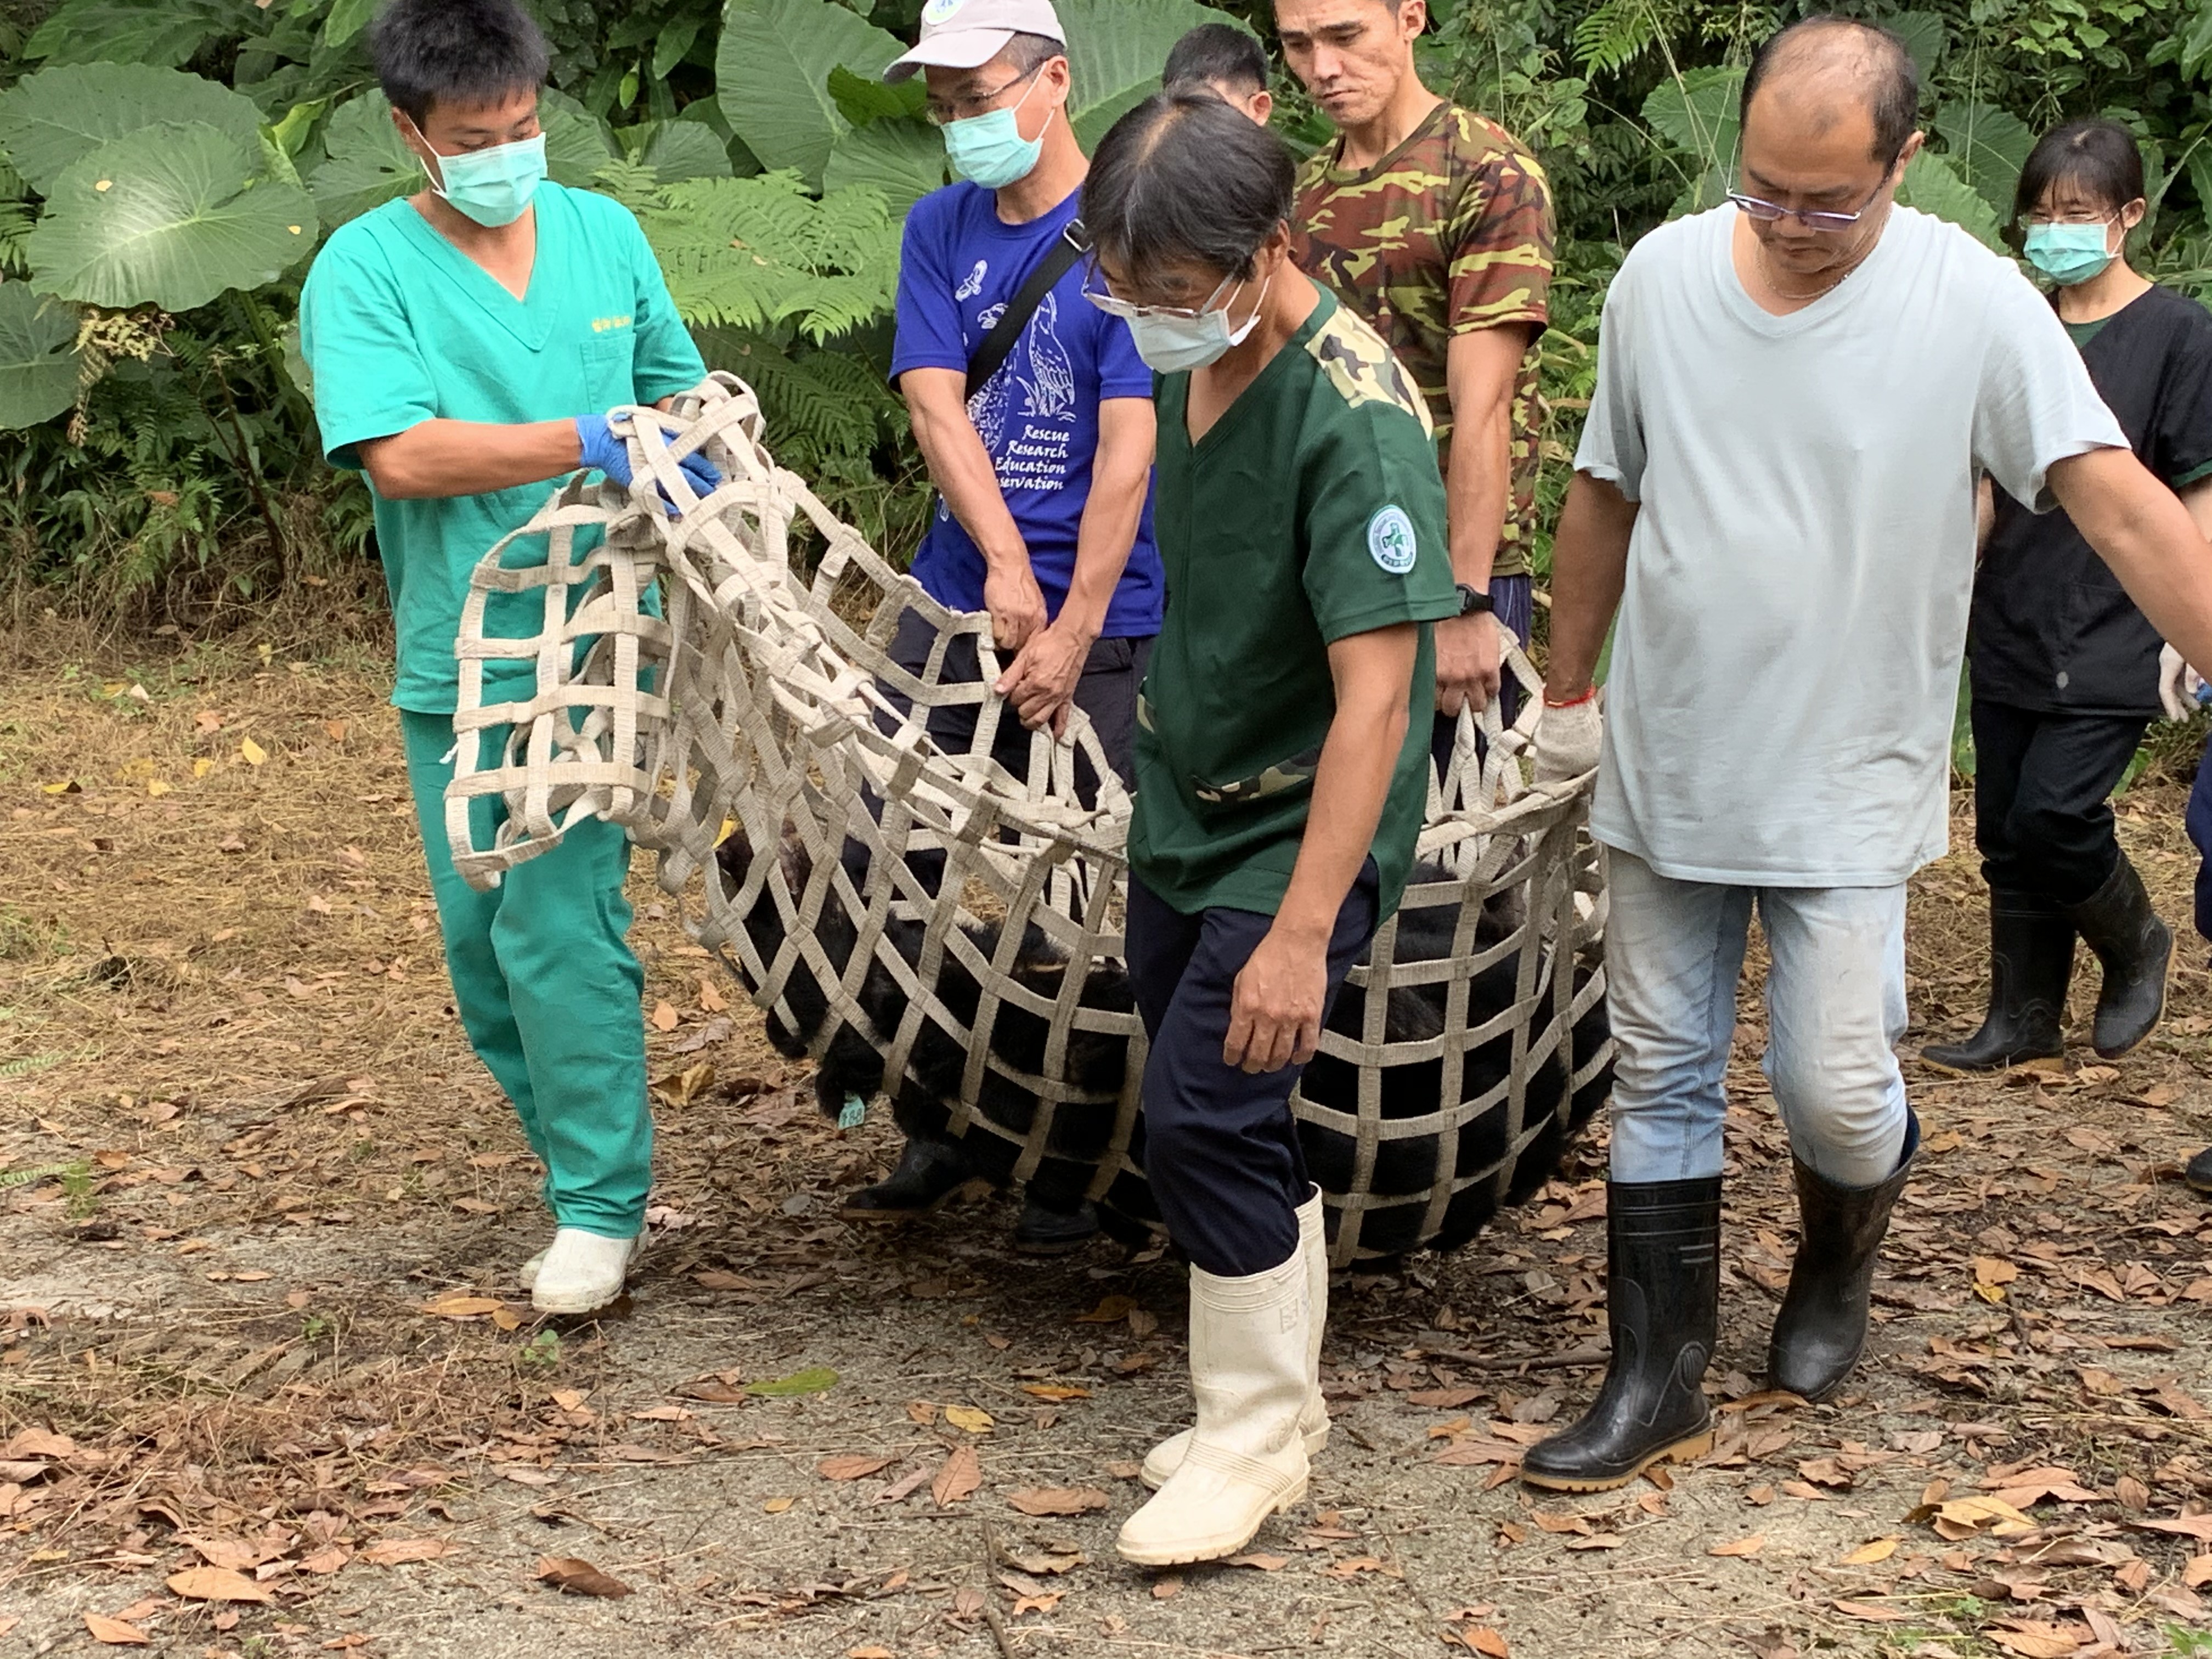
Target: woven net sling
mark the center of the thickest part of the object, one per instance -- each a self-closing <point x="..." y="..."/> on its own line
<point x="934" y="914"/>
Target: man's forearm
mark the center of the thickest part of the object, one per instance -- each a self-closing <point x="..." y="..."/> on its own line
<point x="960" y="466"/>
<point x="2144" y="533"/>
<point x="1120" y="470"/>
<point x="1589" y="566"/>
<point x="1477" y="492"/>
<point x="439" y="459"/>
<point x="1374" y="674"/>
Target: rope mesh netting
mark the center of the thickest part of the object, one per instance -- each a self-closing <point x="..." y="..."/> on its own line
<point x="932" y="912"/>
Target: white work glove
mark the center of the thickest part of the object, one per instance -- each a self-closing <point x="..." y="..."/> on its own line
<point x="1568" y="740"/>
<point x="2179" y="686"/>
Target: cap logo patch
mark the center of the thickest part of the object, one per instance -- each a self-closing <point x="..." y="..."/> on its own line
<point x="1390" y="540"/>
<point x="937" y="11"/>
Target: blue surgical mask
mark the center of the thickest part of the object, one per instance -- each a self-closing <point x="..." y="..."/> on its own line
<point x="1175" y="345"/>
<point x="989" y="150"/>
<point x="2068" y="253"/>
<point x="491" y="186"/>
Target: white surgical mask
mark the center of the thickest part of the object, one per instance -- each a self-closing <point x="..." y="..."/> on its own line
<point x="1174" y="344"/>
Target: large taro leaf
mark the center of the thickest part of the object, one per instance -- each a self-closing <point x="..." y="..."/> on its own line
<point x="772" y="76"/>
<point x="368" y="164"/>
<point x="1115" y="48"/>
<point x="51" y="118"/>
<point x="1987" y="148"/>
<point x="904" y="159"/>
<point x="1924" y="34"/>
<point x="1695" y="113"/>
<point x="1932" y="186"/>
<point x="685" y="149"/>
<point x="160" y="32"/>
<point x="38" y="356"/>
<point x="170" y="215"/>
<point x="577" y="144"/>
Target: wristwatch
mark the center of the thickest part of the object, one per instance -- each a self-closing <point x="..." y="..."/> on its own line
<point x="1472" y="599"/>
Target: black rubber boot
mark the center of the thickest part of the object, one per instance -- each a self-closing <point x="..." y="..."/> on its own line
<point x="1043" y="1231"/>
<point x="2135" y="947"/>
<point x="929" y="1172"/>
<point x="1662" y="1307"/>
<point x="2031" y="960"/>
<point x="1822" y="1327"/>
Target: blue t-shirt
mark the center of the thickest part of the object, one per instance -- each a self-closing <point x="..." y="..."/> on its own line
<point x="1038" y="416"/>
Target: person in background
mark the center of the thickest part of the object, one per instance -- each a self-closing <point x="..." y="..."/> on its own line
<point x="1226" y="61"/>
<point x="2065" y="670"/>
<point x="1281" y="761"/>
<point x="1775" y="491"/>
<point x="1435" y="225"/>
<point x="464" y="344"/>
<point x="1043" y="473"/>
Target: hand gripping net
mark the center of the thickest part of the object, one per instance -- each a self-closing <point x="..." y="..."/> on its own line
<point x="934" y="928"/>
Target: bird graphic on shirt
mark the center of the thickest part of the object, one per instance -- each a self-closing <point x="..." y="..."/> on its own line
<point x="1051" y="383"/>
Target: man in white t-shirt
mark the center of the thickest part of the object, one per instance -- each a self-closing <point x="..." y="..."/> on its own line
<point x="1795" y="394"/>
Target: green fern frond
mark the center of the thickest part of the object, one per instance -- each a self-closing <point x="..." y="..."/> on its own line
<point x="751" y="254"/>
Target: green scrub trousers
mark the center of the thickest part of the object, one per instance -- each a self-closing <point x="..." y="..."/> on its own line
<point x="548" y="992"/>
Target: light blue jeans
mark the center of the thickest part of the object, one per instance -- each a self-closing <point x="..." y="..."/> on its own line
<point x="1835" y="1009"/>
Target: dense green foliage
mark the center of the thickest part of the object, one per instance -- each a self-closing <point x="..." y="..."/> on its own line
<point x="168" y="166"/>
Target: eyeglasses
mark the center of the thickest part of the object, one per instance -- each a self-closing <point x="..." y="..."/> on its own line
<point x="2030" y="221"/>
<point x="1130" y="312"/>
<point x="1768" y="213"/>
<point x="961" y="109"/>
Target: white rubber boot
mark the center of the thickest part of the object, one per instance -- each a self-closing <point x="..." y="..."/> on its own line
<point x="1250" y="1369"/>
<point x="1313" y="1421"/>
<point x="583" y="1272"/>
<point x="526" y="1274"/>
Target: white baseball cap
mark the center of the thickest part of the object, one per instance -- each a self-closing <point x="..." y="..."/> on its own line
<point x="969" y="34"/>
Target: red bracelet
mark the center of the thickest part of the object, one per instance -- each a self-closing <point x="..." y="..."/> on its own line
<point x="1572" y="702"/>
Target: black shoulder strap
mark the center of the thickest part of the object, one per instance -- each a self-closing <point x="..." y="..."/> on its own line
<point x="1074" y="242"/>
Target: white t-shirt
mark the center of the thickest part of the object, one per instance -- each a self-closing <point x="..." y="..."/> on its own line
<point x="1785" y="668"/>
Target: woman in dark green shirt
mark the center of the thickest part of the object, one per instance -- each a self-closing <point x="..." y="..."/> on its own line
<point x="1281" y="758"/>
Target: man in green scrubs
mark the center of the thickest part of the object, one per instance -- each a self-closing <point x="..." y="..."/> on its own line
<point x="465" y="343"/>
<point x="1282" y="759"/>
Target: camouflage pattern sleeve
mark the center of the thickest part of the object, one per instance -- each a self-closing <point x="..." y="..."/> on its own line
<point x="1502" y="234"/>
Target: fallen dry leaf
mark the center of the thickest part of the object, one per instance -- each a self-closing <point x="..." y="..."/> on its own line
<point x="114" y="1633"/>
<point x="1872" y="1611"/>
<point x="1108" y="1309"/>
<point x="959" y="1478"/>
<point x="573" y="1577"/>
<point x="1866" y="1555"/>
<point x="1751" y="1545"/>
<point x="2035" y="1640"/>
<point x="217" y="1584"/>
<point x="777" y="1505"/>
<point x="1486" y="1640"/>
<point x="854" y="1466"/>
<point x="457" y="1305"/>
<point x="974" y="1419"/>
<point x="38" y="1443"/>
<point x="397" y="1552"/>
<point x="2198" y="1527"/>
<point x="1444" y="1400"/>
<point x="664" y="1017"/>
<point x="2196" y="1572"/>
<point x="1263" y="1563"/>
<point x="1055" y="1391"/>
<point x="1057" y="1500"/>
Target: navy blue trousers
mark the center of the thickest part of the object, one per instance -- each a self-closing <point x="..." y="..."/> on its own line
<point x="2199" y="822"/>
<point x="1516" y="606"/>
<point x="1221" y="1148"/>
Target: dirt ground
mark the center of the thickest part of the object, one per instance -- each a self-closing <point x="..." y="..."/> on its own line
<point x="267" y="1386"/>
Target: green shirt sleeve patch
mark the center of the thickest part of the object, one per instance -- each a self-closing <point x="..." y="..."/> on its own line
<point x="1391" y="542"/>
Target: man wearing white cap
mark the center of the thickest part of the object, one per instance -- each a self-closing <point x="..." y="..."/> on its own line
<point x="1035" y="414"/>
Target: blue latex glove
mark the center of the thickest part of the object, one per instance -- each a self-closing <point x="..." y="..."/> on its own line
<point x="604" y="452"/>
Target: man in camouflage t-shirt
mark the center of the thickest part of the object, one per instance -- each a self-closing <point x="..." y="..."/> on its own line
<point x="1435" y="225"/>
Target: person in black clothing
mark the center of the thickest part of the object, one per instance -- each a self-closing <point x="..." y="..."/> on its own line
<point x="2064" y="668"/>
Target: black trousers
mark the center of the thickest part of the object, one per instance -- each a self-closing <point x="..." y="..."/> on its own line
<point x="1221" y="1148"/>
<point x="2043" y="818"/>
